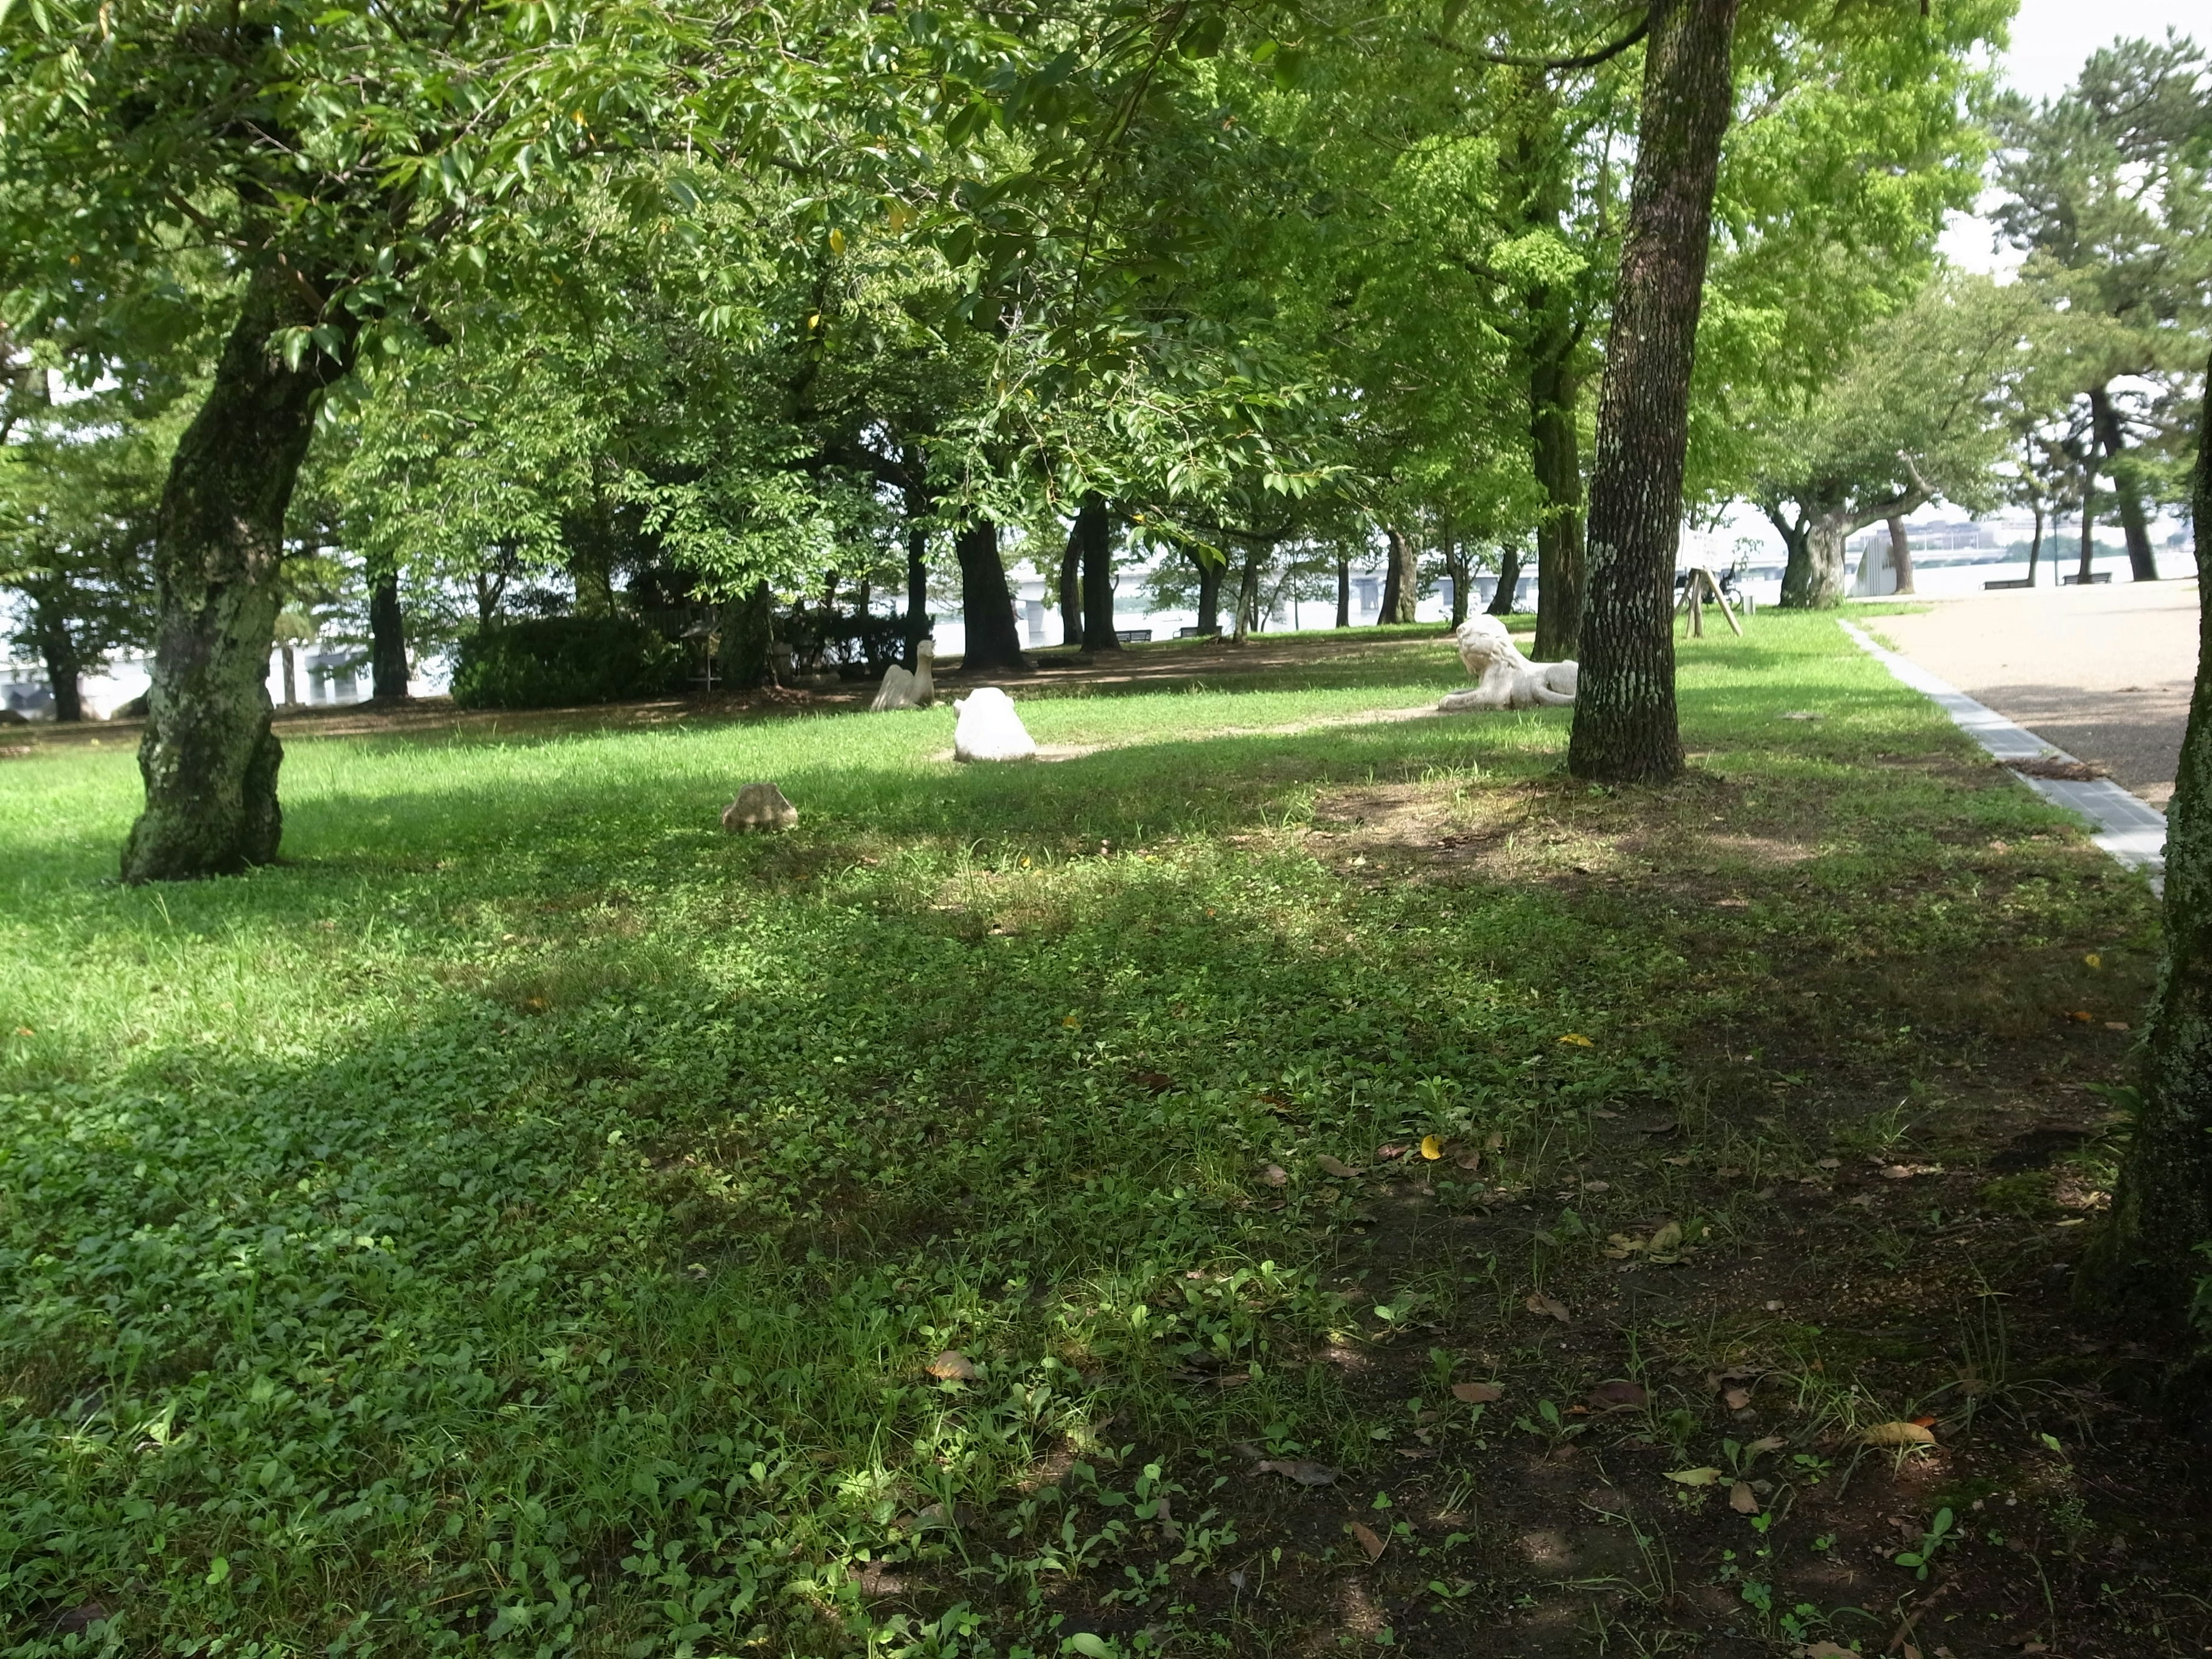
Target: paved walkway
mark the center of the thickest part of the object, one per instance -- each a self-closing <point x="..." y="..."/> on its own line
<point x="2102" y="672"/>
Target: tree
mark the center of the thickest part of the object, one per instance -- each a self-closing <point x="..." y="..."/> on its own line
<point x="1624" y="728"/>
<point x="2162" y="1212"/>
<point x="78" y="488"/>
<point x="2106" y="189"/>
<point x="1919" y="411"/>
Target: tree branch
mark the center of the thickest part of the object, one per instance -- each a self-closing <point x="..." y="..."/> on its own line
<point x="1513" y="60"/>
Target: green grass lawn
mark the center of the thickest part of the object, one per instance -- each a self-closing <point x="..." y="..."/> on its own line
<point x="523" y="1222"/>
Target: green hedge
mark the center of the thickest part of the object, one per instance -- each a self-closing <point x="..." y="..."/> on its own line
<point x="549" y="661"/>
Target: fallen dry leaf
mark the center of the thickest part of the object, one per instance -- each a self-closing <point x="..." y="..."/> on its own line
<point x="1735" y="1399"/>
<point x="951" y="1366"/>
<point x="1386" y="1153"/>
<point x="1538" y="1303"/>
<point x="1767" y="1443"/>
<point x="1305" y="1473"/>
<point x="1156" y="1083"/>
<point x="1432" y="1148"/>
<point x="1478" y="1394"/>
<point x="1469" y="1161"/>
<point x="1825" y="1651"/>
<point x="1898" y="1434"/>
<point x="1607" y="1396"/>
<point x="1368" y="1540"/>
<point x="1337" y="1167"/>
<point x="1694" y="1477"/>
<point x="1599" y="1111"/>
<point x="1741" y="1499"/>
<point x="1275" y="1176"/>
<point x="1576" y="1039"/>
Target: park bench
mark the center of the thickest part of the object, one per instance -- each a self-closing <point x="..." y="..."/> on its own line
<point x="2011" y="581"/>
<point x="1197" y="633"/>
<point x="2076" y="581"/>
<point x="1134" y="635"/>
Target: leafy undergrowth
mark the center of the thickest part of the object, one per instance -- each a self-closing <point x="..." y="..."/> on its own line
<point x="1263" y="1185"/>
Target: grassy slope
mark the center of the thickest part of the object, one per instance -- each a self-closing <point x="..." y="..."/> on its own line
<point x="524" y="1217"/>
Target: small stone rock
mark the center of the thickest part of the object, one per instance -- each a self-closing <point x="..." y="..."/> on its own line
<point x="759" y="806"/>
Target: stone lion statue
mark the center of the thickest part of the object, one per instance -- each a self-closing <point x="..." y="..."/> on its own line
<point x="902" y="690"/>
<point x="1504" y="678"/>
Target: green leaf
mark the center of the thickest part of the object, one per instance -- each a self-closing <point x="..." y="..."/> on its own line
<point x="1089" y="1645"/>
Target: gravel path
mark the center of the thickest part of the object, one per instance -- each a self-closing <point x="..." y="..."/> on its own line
<point x="2103" y="673"/>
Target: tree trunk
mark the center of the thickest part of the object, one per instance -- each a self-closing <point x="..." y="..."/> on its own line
<point x="1248" y="595"/>
<point x="1343" y="589"/>
<point x="209" y="758"/>
<point x="1070" y="587"/>
<point x="748" y="629"/>
<point x="2035" y="547"/>
<point x="1400" y="579"/>
<point x="1508" y="581"/>
<point x="1457" y="563"/>
<point x="1626" y="729"/>
<point x="1901" y="554"/>
<point x="1209" y="596"/>
<point x="2145" y="1261"/>
<point x="919" y="623"/>
<point x="1094" y="529"/>
<point x="291" y="675"/>
<point x="1555" y="451"/>
<point x="57" y="649"/>
<point x="993" y="640"/>
<point x="2142" y="562"/>
<point x="387" y="642"/>
<point x="1813" y="579"/>
<point x="2089" y="535"/>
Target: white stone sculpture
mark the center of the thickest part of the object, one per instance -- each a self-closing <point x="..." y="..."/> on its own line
<point x="989" y="730"/>
<point x="1504" y="678"/>
<point x="902" y="689"/>
<point x="759" y="806"/>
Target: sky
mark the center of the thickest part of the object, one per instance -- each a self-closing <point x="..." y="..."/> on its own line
<point x="2051" y="39"/>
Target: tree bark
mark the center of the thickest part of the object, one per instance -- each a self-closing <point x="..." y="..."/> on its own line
<point x="919" y="623"/>
<point x="208" y="757"/>
<point x="1402" y="579"/>
<point x="2035" y="547"/>
<point x="1457" y="563"/>
<point x="1070" y="588"/>
<point x="291" y="674"/>
<point x="1556" y="453"/>
<point x="748" y="629"/>
<point x="387" y="642"/>
<point x="1248" y="595"/>
<point x="2089" y="535"/>
<point x="1343" y="589"/>
<point x="994" y="640"/>
<point x="1625" y="728"/>
<point x="2144" y="1262"/>
<point x="1901" y="554"/>
<point x="1210" y="573"/>
<point x="1094" y="530"/>
<point x="57" y="649"/>
<point x="2143" y="561"/>
<point x="1508" y="581"/>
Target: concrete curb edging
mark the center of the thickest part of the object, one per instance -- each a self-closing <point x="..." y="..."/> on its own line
<point x="2129" y="828"/>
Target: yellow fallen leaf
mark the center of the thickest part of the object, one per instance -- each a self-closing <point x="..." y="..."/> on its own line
<point x="1668" y="1237"/>
<point x="1071" y="1022"/>
<point x="1897" y="1434"/>
<point x="1368" y="1540"/>
<point x="836" y="241"/>
<point x="1432" y="1148"/>
<point x="1578" y="1040"/>
<point x="2094" y="960"/>
<point x="1694" y="1477"/>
